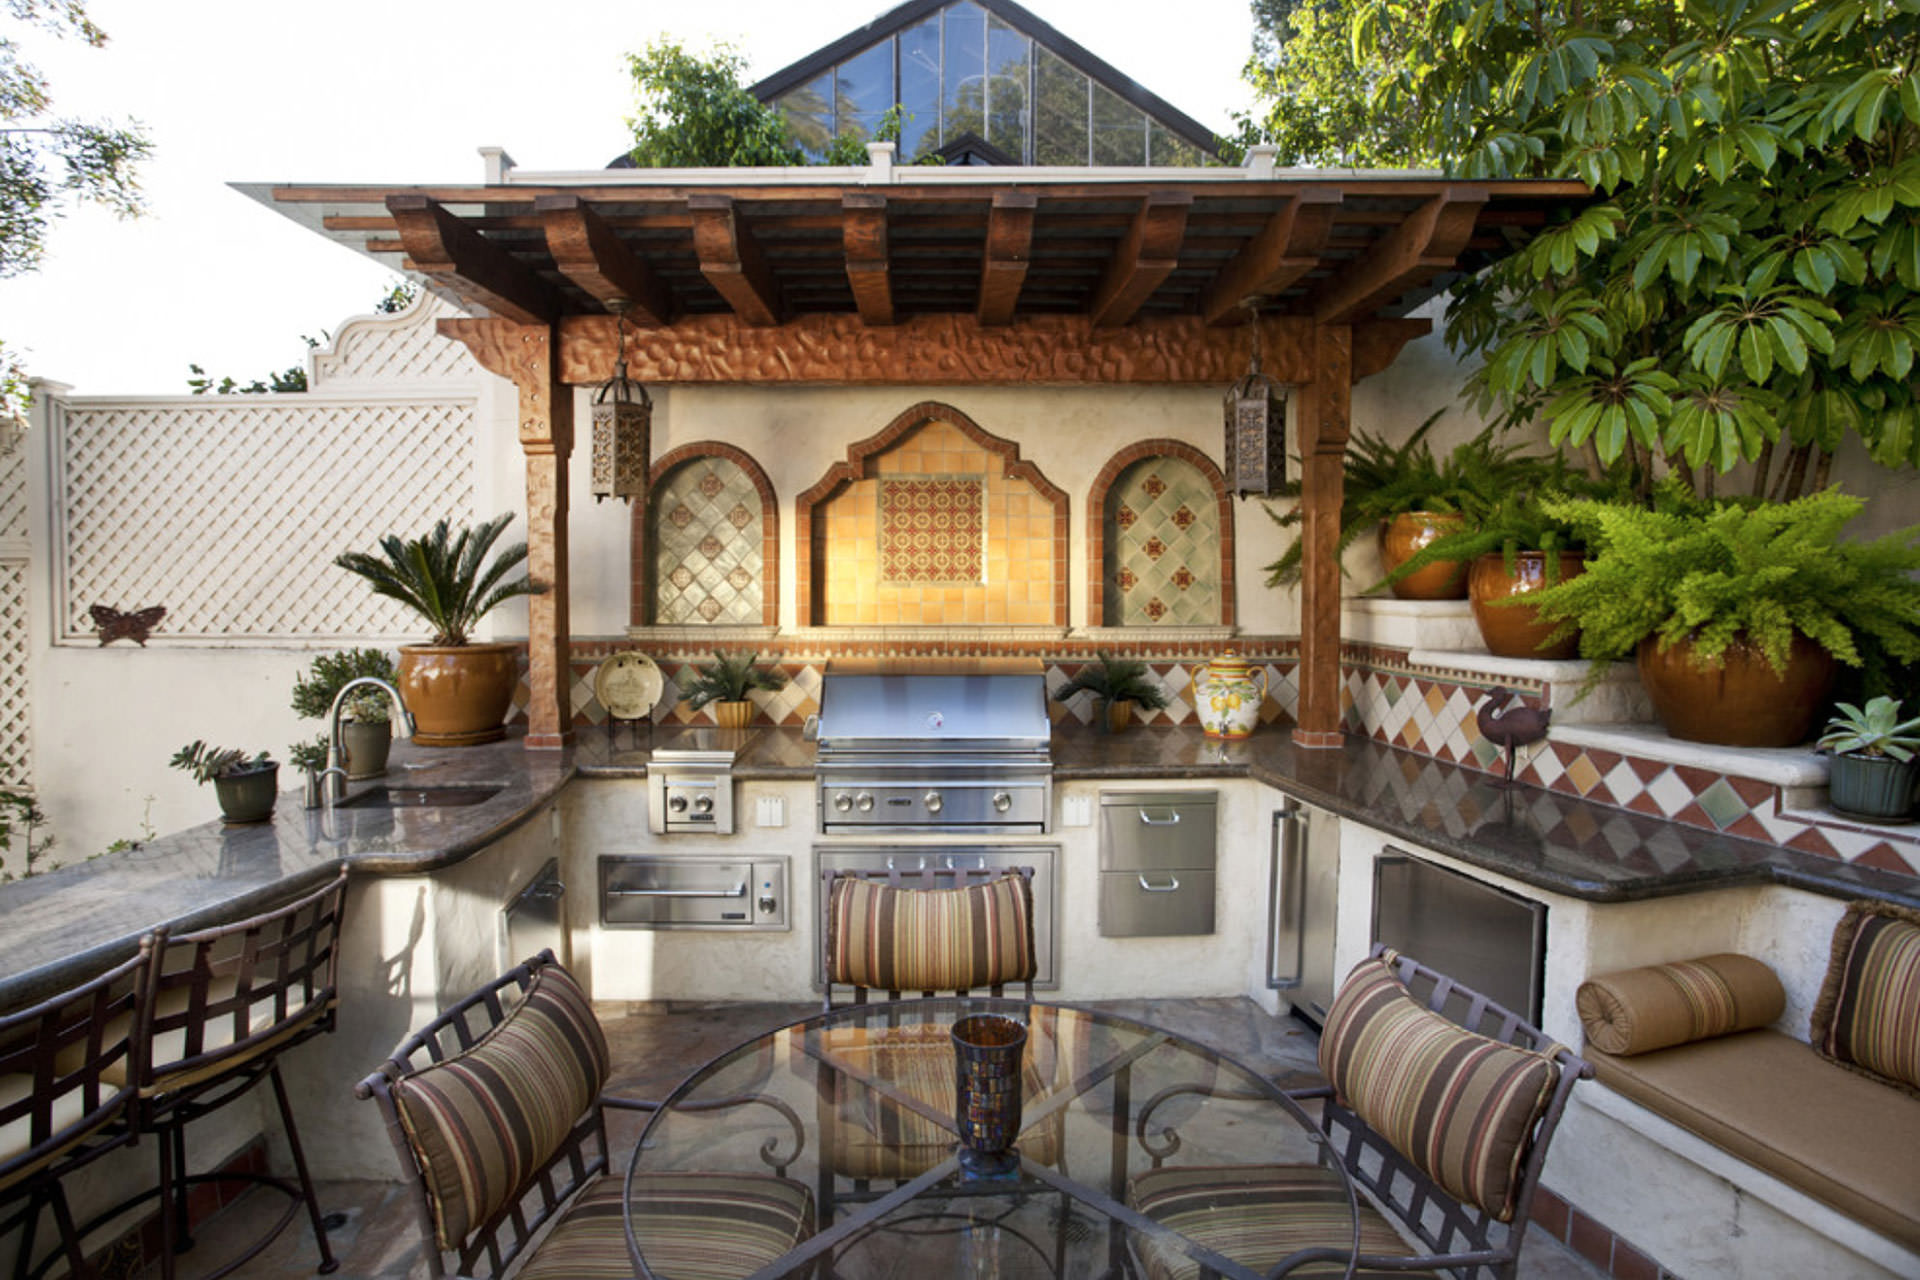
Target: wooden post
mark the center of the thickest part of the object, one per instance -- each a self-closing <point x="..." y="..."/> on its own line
<point x="546" y="437"/>
<point x="1323" y="422"/>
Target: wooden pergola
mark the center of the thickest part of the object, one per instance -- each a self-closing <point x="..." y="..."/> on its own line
<point x="919" y="277"/>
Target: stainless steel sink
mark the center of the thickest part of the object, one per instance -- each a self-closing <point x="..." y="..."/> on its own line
<point x="384" y="797"/>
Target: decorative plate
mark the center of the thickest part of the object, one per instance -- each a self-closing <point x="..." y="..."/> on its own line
<point x="628" y="685"/>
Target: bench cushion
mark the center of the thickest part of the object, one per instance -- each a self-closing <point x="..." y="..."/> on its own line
<point x="1769" y="1099"/>
<point x="1868" y="1015"/>
<point x="1656" y="1007"/>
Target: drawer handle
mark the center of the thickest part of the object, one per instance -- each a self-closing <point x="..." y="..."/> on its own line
<point x="738" y="891"/>
<point x="1148" y="819"/>
<point x="1172" y="885"/>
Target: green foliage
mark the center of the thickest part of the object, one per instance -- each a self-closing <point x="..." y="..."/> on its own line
<point x="694" y="113"/>
<point x="1876" y="731"/>
<point x="728" y="678"/>
<point x="1741" y="293"/>
<point x="1709" y="571"/>
<point x="314" y="692"/>
<point x="439" y="576"/>
<point x="21" y="815"/>
<point x="206" y="763"/>
<point x="311" y="754"/>
<point x="1112" y="680"/>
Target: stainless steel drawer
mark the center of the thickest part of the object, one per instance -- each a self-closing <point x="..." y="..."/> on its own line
<point x="659" y="891"/>
<point x="1159" y="903"/>
<point x="1150" y="830"/>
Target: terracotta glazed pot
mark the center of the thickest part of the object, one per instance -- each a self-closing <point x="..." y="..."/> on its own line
<point x="1405" y="534"/>
<point x="1119" y="716"/>
<point x="1737" y="700"/>
<point x="733" y="715"/>
<point x="1515" y="630"/>
<point x="458" y="694"/>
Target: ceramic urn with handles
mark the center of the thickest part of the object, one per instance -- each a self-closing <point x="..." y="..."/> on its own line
<point x="1228" y="692"/>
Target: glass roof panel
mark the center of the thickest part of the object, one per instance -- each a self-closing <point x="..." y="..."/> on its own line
<point x="863" y="90"/>
<point x="920" y="89"/>
<point x="809" y="112"/>
<point x="1059" y="110"/>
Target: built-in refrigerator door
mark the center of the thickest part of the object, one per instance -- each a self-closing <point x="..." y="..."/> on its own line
<point x="1303" y="894"/>
<point x="1478" y="934"/>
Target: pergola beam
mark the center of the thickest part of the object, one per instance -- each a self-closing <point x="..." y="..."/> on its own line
<point x="588" y="252"/>
<point x="1428" y="242"/>
<point x="1003" y="270"/>
<point x="731" y="260"/>
<point x="1286" y="249"/>
<point x="1146" y="256"/>
<point x="442" y="246"/>
<point x="863" y="233"/>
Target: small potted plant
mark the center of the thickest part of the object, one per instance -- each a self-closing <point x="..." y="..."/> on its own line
<point x="726" y="682"/>
<point x="1873" y="774"/>
<point x="457" y="690"/>
<point x="366" y="724"/>
<point x="1117" y="685"/>
<point x="309" y="758"/>
<point x="244" y="784"/>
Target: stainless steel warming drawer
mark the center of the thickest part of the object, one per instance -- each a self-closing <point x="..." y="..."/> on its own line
<point x="1157" y="862"/>
<point x="686" y="891"/>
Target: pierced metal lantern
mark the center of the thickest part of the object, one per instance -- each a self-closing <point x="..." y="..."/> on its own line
<point x="1256" y="448"/>
<point x="622" y="434"/>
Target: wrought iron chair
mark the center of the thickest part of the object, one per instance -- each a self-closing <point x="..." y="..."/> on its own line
<point x="65" y="1090"/>
<point x="225" y="1003"/>
<point x="1443" y="1120"/>
<point x="496" y="1109"/>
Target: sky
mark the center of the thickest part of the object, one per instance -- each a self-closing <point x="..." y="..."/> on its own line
<point x="401" y="91"/>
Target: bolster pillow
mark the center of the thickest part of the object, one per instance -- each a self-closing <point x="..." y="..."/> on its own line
<point x="1640" y="1010"/>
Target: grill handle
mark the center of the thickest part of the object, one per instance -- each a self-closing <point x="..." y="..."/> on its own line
<point x="738" y="891"/>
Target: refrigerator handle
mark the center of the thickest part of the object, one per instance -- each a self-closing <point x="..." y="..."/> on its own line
<point x="1287" y="876"/>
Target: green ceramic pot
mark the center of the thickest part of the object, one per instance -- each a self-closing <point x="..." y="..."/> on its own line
<point x="248" y="796"/>
<point x="1879" y="788"/>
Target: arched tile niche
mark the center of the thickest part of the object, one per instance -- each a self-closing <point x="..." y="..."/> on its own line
<point x="1160" y="539"/>
<point x="706" y="548"/>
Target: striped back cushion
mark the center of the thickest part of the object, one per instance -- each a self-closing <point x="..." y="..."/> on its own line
<point x="888" y="938"/>
<point x="1460" y="1106"/>
<point x="1868" y="1015"/>
<point x="484" y="1122"/>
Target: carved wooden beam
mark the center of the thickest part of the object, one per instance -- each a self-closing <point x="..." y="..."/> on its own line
<point x="588" y="252"/>
<point x="1324" y="418"/>
<point x="1147" y="255"/>
<point x="441" y="246"/>
<point x="731" y="260"/>
<point x="1377" y="343"/>
<point x="1287" y="248"/>
<point x="1428" y="242"/>
<point x="864" y="234"/>
<point x="1009" y="242"/>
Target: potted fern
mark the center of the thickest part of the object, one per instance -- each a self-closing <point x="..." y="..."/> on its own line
<point x="245" y="785"/>
<point x="366" y="723"/>
<point x="457" y="690"/>
<point x="726" y="682"/>
<point x="1736" y="611"/>
<point x="1118" y="685"/>
<point x="1874" y="771"/>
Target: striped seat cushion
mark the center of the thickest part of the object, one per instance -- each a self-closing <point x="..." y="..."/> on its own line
<point x="691" y="1226"/>
<point x="484" y="1122"/>
<point x="887" y="938"/>
<point x="1257" y="1215"/>
<point x="1460" y="1106"/>
<point x="1868" y="1016"/>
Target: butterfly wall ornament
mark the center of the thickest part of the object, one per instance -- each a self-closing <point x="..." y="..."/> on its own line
<point x="115" y="625"/>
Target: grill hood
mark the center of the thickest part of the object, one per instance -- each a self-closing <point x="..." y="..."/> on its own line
<point x="901" y="711"/>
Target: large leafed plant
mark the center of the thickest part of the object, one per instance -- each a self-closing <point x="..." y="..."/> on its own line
<point x="446" y="578"/>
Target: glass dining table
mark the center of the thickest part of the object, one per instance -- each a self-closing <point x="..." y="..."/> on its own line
<point x="857" y="1107"/>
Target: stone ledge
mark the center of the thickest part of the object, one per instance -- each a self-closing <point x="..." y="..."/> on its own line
<point x="1785" y="767"/>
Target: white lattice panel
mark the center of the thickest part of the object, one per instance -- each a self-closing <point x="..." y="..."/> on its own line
<point x="229" y="511"/>
<point x="374" y="350"/>
<point x="13" y="483"/>
<point x="16" y="737"/>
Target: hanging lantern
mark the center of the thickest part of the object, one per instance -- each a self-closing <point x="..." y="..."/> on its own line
<point x="622" y="429"/>
<point x="1256" y="450"/>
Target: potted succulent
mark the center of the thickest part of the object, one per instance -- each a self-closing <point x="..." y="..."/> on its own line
<point x="244" y="784"/>
<point x="366" y="717"/>
<point x="457" y="690"/>
<point x="1736" y="611"/>
<point x="726" y="682"/>
<point x="1874" y="772"/>
<point x="1118" y="685"/>
<point x="310" y="758"/>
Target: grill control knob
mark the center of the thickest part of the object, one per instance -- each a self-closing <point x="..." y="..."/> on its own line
<point x="1002" y="802"/>
<point x="863" y="802"/>
<point x="934" y="802"/>
<point x="703" y="804"/>
<point x="766" y="904"/>
<point x="843" y="802"/>
<point x="677" y="804"/>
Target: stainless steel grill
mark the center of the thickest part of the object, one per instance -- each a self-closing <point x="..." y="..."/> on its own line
<point x="902" y="751"/>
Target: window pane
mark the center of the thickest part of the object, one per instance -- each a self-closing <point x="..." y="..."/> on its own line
<point x="809" y="111"/>
<point x="1119" y="130"/>
<point x="920" y="89"/>
<point x="1007" y="89"/>
<point x="966" y="89"/>
<point x="864" y="90"/>
<point x="1059" y="111"/>
<point x="1164" y="146"/>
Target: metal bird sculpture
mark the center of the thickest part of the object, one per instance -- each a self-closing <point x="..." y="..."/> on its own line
<point x="1513" y="728"/>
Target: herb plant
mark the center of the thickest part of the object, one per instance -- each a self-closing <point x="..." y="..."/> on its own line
<point x="441" y="577"/>
<point x="206" y="763"/>
<point x="1876" y="730"/>
<point x="314" y="692"/>
<point x="728" y="678"/>
<point x="310" y="754"/>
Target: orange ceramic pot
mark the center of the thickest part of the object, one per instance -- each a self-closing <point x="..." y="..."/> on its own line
<point x="458" y="694"/>
<point x="733" y="715"/>
<point x="1405" y="534"/>
<point x="1119" y="716"/>
<point x="1515" y="630"/>
<point x="1737" y="700"/>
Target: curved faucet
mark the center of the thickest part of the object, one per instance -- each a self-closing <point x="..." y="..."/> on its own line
<point x="333" y="781"/>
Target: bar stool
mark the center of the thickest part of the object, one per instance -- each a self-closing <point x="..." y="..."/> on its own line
<point x="65" y="1096"/>
<point x="225" y="1003"/>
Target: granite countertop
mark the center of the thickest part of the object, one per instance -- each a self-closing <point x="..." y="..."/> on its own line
<point x="70" y="923"/>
